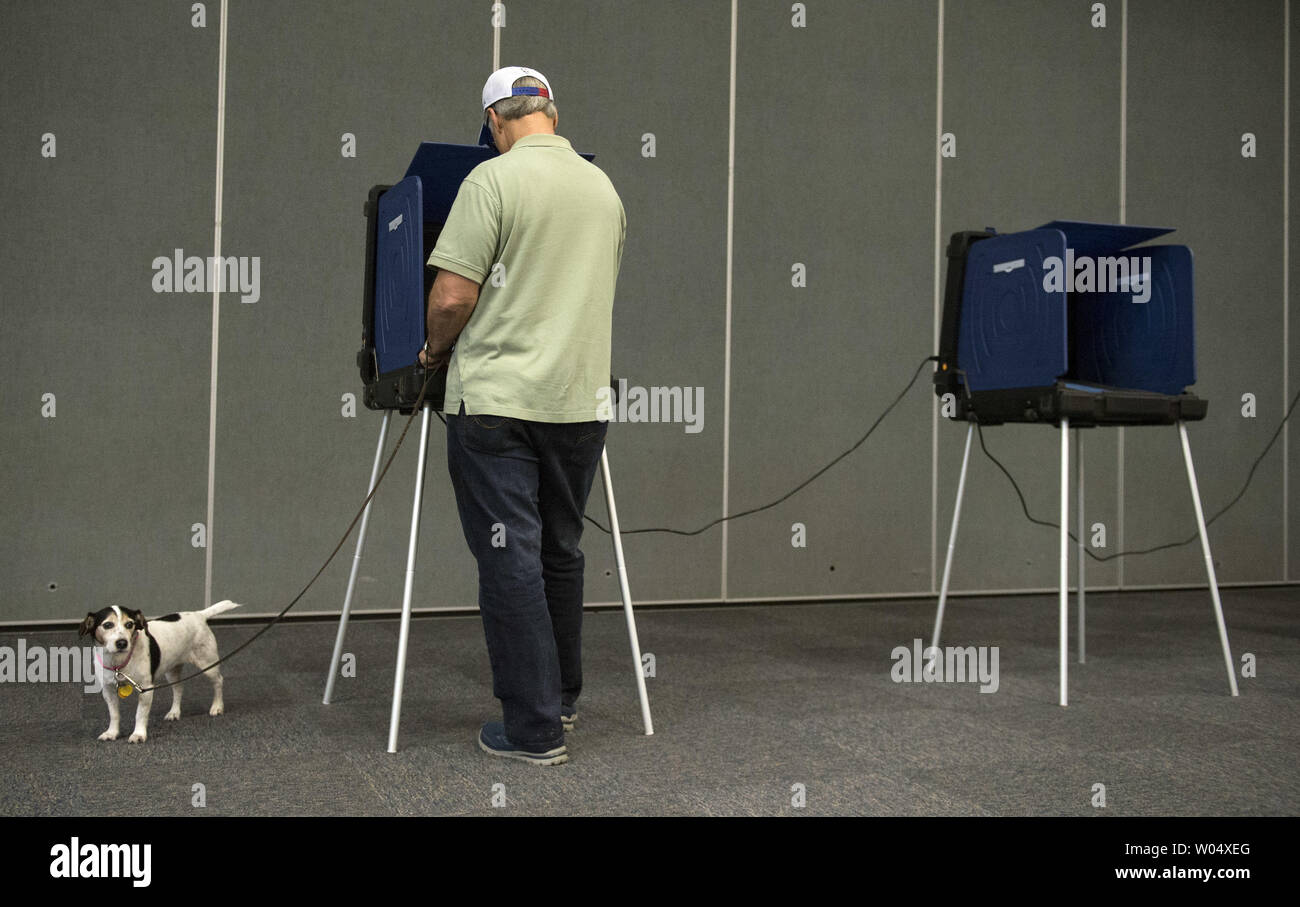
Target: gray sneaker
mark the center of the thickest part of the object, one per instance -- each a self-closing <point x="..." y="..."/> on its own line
<point x="492" y="739"/>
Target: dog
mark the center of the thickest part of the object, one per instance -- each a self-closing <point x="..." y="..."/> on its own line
<point x="138" y="652"/>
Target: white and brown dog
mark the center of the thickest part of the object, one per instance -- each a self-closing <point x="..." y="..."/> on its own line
<point x="138" y="652"/>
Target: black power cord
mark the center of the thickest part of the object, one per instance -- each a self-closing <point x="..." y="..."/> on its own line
<point x="792" y="492"/>
<point x="996" y="462"/>
<point x="1191" y="538"/>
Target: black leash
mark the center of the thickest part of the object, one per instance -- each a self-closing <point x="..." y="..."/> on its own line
<point x="419" y="402"/>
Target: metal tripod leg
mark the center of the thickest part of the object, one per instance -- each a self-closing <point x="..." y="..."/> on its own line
<point x="952" y="537"/>
<point x="1064" y="604"/>
<point x="1209" y="560"/>
<point x="402" y="638"/>
<point x="356" y="562"/>
<point x="627" y="595"/>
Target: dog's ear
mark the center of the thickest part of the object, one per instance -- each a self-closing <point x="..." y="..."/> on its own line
<point x="87" y="626"/>
<point x="140" y="622"/>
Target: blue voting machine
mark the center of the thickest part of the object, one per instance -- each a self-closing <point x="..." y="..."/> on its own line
<point x="1070" y="319"/>
<point x="403" y="222"/>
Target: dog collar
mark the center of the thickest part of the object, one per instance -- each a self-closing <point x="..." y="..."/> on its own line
<point x="118" y="674"/>
<point x="130" y="650"/>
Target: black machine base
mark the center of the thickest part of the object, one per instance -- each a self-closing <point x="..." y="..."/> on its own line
<point x="1085" y="407"/>
<point x="400" y="390"/>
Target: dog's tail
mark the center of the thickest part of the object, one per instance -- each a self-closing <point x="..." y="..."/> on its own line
<point x="219" y="608"/>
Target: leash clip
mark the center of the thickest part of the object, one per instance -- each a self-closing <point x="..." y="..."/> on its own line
<point x="124" y="689"/>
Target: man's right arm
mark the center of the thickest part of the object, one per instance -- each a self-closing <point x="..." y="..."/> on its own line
<point x="451" y="303"/>
<point x="464" y="256"/>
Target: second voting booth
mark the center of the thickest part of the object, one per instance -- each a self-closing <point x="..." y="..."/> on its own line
<point x="1071" y="325"/>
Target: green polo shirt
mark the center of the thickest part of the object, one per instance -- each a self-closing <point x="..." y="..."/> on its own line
<point x="541" y="230"/>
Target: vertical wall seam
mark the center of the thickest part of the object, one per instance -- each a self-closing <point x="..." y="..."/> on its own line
<point x="216" y="308"/>
<point x="1286" y="284"/>
<point x="496" y="39"/>
<point x="1123" y="219"/>
<point x="726" y="363"/>
<point x="938" y="313"/>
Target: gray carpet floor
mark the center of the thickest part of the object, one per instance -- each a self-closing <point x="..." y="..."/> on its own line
<point x="748" y="702"/>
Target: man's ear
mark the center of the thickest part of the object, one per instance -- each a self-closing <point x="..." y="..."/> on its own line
<point x="87" y="625"/>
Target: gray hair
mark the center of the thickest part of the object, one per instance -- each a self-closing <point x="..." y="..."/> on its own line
<point x="520" y="105"/>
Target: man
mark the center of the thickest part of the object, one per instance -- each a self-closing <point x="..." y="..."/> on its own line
<point x="528" y="261"/>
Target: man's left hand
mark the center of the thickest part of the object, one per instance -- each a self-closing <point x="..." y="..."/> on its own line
<point x="434" y="360"/>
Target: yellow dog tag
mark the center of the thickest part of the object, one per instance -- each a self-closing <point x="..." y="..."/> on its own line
<point x="124" y="690"/>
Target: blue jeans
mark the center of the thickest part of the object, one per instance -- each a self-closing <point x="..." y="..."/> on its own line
<point x="521" y="489"/>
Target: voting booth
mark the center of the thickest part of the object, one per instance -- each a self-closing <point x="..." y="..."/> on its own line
<point x="403" y="222"/>
<point x="1071" y="325"/>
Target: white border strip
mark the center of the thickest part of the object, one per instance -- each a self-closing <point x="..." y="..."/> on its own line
<point x="938" y="310"/>
<point x="726" y="354"/>
<point x="216" y="305"/>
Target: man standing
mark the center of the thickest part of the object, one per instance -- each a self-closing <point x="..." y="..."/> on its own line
<point x="528" y="261"/>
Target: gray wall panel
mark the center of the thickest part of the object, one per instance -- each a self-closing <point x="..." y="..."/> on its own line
<point x="834" y="171"/>
<point x="291" y="469"/>
<point x="1200" y="76"/>
<point x="100" y="498"/>
<point x="1035" y="111"/>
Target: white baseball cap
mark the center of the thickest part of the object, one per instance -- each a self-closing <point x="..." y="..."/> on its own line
<point x="500" y="85"/>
